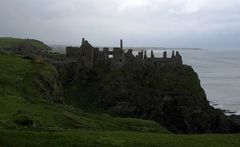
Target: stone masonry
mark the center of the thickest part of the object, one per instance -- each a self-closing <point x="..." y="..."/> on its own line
<point x="117" y="57"/>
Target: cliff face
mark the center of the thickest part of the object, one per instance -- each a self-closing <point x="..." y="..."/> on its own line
<point x="170" y="95"/>
<point x="28" y="95"/>
<point x="46" y="80"/>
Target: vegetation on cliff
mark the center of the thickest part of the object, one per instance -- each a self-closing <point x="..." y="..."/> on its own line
<point x="35" y="112"/>
<point x="28" y="95"/>
<point x="8" y="42"/>
<point x="169" y="95"/>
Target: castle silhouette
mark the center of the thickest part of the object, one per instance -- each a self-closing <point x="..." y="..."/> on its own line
<point x="117" y="57"/>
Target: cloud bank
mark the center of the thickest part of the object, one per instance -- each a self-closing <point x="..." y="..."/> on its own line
<point x="177" y="23"/>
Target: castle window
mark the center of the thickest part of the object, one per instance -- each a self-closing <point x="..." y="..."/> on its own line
<point x="120" y="60"/>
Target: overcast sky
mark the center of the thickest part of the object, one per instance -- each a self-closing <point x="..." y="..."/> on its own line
<point x="167" y="23"/>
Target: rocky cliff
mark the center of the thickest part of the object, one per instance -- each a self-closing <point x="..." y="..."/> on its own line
<point x="169" y="95"/>
<point x="46" y="80"/>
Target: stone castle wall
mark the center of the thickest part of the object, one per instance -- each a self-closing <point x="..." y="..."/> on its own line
<point x="90" y="56"/>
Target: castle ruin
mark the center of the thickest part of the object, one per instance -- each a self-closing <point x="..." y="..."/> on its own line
<point x="117" y="57"/>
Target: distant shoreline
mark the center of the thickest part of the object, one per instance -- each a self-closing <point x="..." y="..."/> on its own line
<point x="62" y="47"/>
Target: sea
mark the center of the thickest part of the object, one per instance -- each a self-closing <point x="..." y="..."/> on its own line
<point x="219" y="73"/>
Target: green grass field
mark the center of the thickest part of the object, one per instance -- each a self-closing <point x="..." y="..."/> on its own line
<point x="65" y="125"/>
<point x="114" y="138"/>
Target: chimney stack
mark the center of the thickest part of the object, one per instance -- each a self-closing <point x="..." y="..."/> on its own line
<point x="83" y="39"/>
<point x="164" y="54"/>
<point x="121" y="44"/>
<point x="145" y="54"/>
<point x="173" y="54"/>
<point x="152" y="55"/>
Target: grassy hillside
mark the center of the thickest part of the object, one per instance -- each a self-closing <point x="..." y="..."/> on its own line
<point x="27" y="119"/>
<point x="23" y="106"/>
<point x="114" y="138"/>
<point x="7" y="42"/>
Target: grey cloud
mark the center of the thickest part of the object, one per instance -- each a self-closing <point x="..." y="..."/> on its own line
<point x="179" y="23"/>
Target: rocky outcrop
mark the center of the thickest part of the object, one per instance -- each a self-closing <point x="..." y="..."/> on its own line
<point x="47" y="82"/>
<point x="170" y="95"/>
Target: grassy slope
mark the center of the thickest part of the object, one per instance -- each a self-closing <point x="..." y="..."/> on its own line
<point x="114" y="138"/>
<point x="57" y="123"/>
<point x="7" y="42"/>
<point x="83" y="98"/>
<point x="19" y="99"/>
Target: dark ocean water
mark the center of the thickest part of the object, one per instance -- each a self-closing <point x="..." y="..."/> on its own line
<point x="219" y="72"/>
